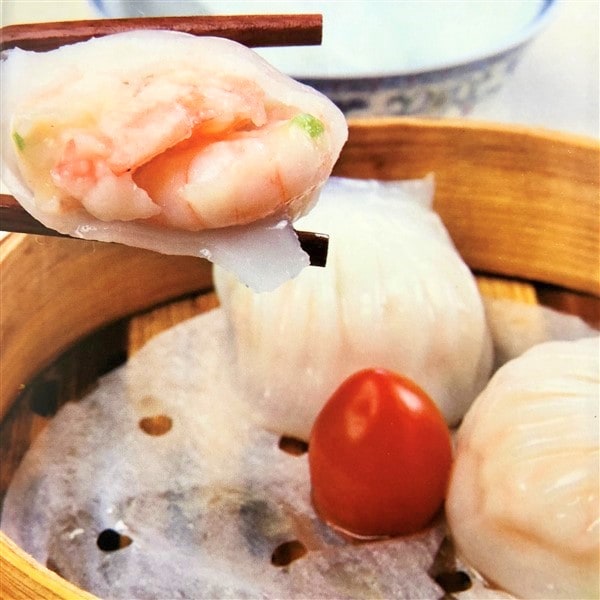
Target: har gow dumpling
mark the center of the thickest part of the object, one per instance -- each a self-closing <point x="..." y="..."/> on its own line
<point x="523" y="503"/>
<point x="167" y="141"/>
<point x="395" y="294"/>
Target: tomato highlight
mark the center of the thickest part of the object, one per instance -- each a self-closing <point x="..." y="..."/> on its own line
<point x="379" y="455"/>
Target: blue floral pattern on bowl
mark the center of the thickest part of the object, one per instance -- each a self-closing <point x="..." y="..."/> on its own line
<point x="452" y="90"/>
<point x="436" y="93"/>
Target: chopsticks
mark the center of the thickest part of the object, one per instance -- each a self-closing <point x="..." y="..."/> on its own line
<point x="250" y="30"/>
<point x="14" y="218"/>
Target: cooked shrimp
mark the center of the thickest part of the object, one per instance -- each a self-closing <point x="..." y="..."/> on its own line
<point x="189" y="172"/>
<point x="129" y="164"/>
<point x="276" y="163"/>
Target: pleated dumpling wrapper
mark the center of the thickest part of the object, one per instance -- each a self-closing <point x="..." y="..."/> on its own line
<point x="395" y="294"/>
<point x="523" y="499"/>
<point x="171" y="142"/>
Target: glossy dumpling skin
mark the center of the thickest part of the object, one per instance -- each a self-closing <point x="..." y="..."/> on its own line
<point x="395" y="294"/>
<point x="151" y="138"/>
<point x="523" y="503"/>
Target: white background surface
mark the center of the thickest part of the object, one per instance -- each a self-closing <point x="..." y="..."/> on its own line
<point x="555" y="86"/>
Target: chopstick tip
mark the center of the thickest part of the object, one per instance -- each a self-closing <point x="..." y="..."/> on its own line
<point x="316" y="245"/>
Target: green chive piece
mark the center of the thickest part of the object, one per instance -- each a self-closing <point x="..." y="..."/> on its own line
<point x="19" y="141"/>
<point x="310" y="124"/>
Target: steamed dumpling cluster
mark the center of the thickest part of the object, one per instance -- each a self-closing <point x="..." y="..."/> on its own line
<point x="395" y="294"/>
<point x="523" y="503"/>
<point x="167" y="141"/>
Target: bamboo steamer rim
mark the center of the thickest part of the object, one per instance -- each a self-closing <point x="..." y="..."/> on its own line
<point x="496" y="163"/>
<point x="476" y="126"/>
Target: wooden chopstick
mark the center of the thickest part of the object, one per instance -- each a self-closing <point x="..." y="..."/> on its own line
<point x="250" y="30"/>
<point x="14" y="218"/>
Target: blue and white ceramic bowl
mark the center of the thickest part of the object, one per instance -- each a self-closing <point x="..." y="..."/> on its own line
<point x="390" y="57"/>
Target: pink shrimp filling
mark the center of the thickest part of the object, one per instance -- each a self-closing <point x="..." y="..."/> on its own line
<point x="150" y="159"/>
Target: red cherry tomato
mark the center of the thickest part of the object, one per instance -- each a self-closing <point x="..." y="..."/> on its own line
<point x="379" y="456"/>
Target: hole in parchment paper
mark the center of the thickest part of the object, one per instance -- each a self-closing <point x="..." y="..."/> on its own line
<point x="292" y="445"/>
<point x="43" y="397"/>
<point x="287" y="552"/>
<point x="156" y="425"/>
<point x="444" y="569"/>
<point x="453" y="581"/>
<point x="110" y="540"/>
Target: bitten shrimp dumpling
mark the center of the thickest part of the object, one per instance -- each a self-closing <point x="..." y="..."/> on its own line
<point x="523" y="504"/>
<point x="167" y="141"/>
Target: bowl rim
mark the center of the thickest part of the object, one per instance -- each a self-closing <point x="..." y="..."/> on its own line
<point x="518" y="39"/>
<point x="521" y="36"/>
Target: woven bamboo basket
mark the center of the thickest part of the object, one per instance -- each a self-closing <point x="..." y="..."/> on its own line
<point x="522" y="207"/>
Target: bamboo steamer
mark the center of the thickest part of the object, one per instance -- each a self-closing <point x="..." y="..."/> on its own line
<point x="522" y="206"/>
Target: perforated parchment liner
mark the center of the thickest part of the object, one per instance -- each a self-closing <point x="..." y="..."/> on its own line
<point x="160" y="485"/>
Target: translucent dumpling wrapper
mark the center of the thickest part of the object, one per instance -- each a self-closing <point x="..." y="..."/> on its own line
<point x="171" y="142"/>
<point x="395" y="294"/>
<point x="523" y="502"/>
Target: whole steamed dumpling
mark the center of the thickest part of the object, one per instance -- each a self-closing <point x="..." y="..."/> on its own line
<point x="395" y="294"/>
<point x="523" y="502"/>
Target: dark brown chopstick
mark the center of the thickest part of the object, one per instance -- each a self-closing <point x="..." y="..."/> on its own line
<point x="14" y="218"/>
<point x="250" y="30"/>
